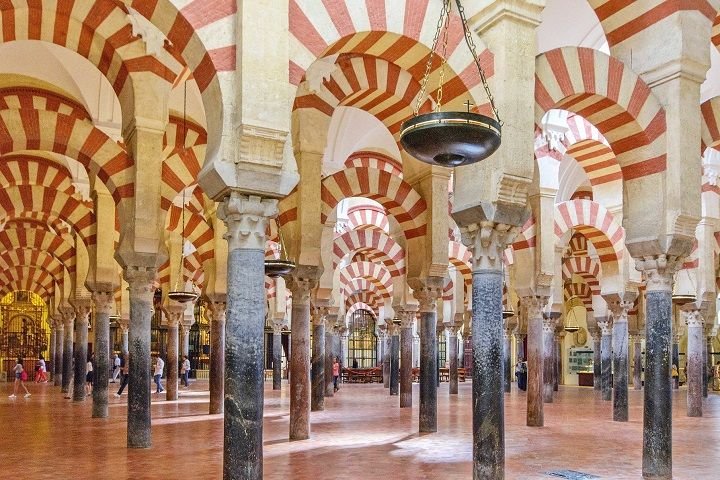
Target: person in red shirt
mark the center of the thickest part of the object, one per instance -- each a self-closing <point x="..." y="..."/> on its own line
<point x="336" y="373"/>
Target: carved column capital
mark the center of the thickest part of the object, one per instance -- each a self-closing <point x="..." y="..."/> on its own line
<point x="141" y="282"/>
<point x="426" y="292"/>
<point x="217" y="310"/>
<point x="596" y="334"/>
<point x="57" y="322"/>
<point x="619" y="310"/>
<point x="549" y="322"/>
<point x="534" y="304"/>
<point x="486" y="241"/>
<point x="246" y="217"/>
<point x="301" y="287"/>
<point x="407" y="318"/>
<point x="658" y="271"/>
<point x="278" y="326"/>
<point x="692" y="318"/>
<point x="605" y="326"/>
<point x="174" y="314"/>
<point x="320" y="316"/>
<point x="82" y="309"/>
<point x="103" y="302"/>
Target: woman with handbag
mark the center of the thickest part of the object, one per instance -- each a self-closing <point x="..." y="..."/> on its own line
<point x="20" y="378"/>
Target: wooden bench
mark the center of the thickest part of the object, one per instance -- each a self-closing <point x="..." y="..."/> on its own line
<point x="362" y="375"/>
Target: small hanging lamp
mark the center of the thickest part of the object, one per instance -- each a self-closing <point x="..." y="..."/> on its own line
<point x="279" y="267"/>
<point x="178" y="295"/>
<point x="451" y="139"/>
<point x="572" y="324"/>
<point x="683" y="288"/>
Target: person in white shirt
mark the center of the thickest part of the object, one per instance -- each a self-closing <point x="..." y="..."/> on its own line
<point x="159" y="366"/>
<point x="185" y="372"/>
<point x="116" y="368"/>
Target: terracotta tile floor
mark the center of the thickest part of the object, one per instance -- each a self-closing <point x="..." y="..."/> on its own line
<point x="361" y="435"/>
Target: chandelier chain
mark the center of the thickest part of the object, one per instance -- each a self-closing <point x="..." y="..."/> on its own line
<point x="473" y="51"/>
<point x="441" y="81"/>
<point x="423" y="86"/>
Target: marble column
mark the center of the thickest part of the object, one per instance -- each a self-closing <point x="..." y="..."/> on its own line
<point x="548" y="362"/>
<point x="606" y="358"/>
<point x="59" y="351"/>
<point x="67" y="369"/>
<point x="620" y="359"/>
<point x="657" y="413"/>
<point x="53" y="348"/>
<point x="246" y="218"/>
<point x="695" y="364"/>
<point x="317" y="372"/>
<point x="557" y="371"/>
<point x="386" y="356"/>
<point x="597" y="359"/>
<point x="103" y="308"/>
<point x="300" y="286"/>
<point x="676" y="359"/>
<point x="637" y="362"/>
<point x="218" y="310"/>
<point x="427" y="295"/>
<point x="142" y="290"/>
<point x="82" y="323"/>
<point x="707" y="372"/>
<point x="173" y="313"/>
<point x="277" y="355"/>
<point x="125" y="329"/>
<point x="534" y="306"/>
<point x="507" y="362"/>
<point x="344" y="334"/>
<point x="395" y="359"/>
<point x="406" y="346"/>
<point x="185" y="337"/>
<point x="330" y="353"/>
<point x="452" y="353"/>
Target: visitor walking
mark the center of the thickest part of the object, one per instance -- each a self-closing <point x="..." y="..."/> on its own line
<point x="185" y="372"/>
<point x="336" y="373"/>
<point x="159" y="366"/>
<point x="20" y="379"/>
<point x="116" y="368"/>
<point x="89" y="375"/>
<point x="41" y="376"/>
<point x="124" y="373"/>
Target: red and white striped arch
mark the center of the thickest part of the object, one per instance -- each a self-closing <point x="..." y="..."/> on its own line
<point x="710" y="132"/>
<point x="368" y="297"/>
<point x="361" y="306"/>
<point x="368" y="216"/>
<point x="581" y="291"/>
<point x="389" y="252"/>
<point x="377" y="160"/>
<point x="461" y="258"/>
<point x="584" y="267"/>
<point x="28" y="98"/>
<point x="448" y="292"/>
<point x="184" y="147"/>
<point x="375" y="273"/>
<point x="15" y="201"/>
<point x="198" y="230"/>
<point x="397" y="196"/>
<point x="28" y="169"/>
<point x="596" y="223"/>
<point x="578" y="244"/>
<point x="23" y="277"/>
<point x="610" y="96"/>
<point x="21" y="235"/>
<point x="526" y="237"/>
<point x="32" y="258"/>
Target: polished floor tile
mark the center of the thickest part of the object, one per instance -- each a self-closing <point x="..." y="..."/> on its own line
<point x="362" y="434"/>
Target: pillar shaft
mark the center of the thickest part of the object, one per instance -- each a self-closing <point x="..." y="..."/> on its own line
<point x="557" y="365"/>
<point x="606" y="363"/>
<point x="637" y="363"/>
<point x="386" y="359"/>
<point x="277" y="359"/>
<point x="82" y="320"/>
<point x="317" y="396"/>
<point x="507" y="363"/>
<point x="59" y="352"/>
<point x="695" y="364"/>
<point x="171" y="382"/>
<point x="395" y="362"/>
<point x="53" y="349"/>
<point x="707" y="365"/>
<point x="300" y="358"/>
<point x="620" y="369"/>
<point x="548" y="356"/>
<point x="597" y="361"/>
<point x="428" y="360"/>
<point x="676" y="360"/>
<point x="452" y="348"/>
<point x="67" y="369"/>
<point x="141" y="289"/>
<point x="535" y="414"/>
<point x="103" y="306"/>
<point x="125" y="339"/>
<point x="217" y="357"/>
<point x="406" y="345"/>
<point x="329" y="360"/>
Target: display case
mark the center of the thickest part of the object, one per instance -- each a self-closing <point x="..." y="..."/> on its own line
<point x="580" y="360"/>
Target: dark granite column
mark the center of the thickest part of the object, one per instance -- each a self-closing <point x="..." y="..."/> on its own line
<point x="620" y="360"/>
<point x="68" y="314"/>
<point x="406" y="346"/>
<point x="385" y="339"/>
<point x="59" y="351"/>
<point x="676" y="360"/>
<point x="330" y="353"/>
<point x="427" y="294"/>
<point x="141" y="287"/>
<point x="549" y="322"/>
<point x="246" y="219"/>
<point x="300" y="285"/>
<point x="606" y="358"/>
<point x="174" y="314"/>
<point x="82" y="323"/>
<point x="103" y="307"/>
<point x="452" y="352"/>
<point x="707" y="372"/>
<point x="557" y="372"/>
<point x="218" y="311"/>
<point x="534" y="306"/>
<point x="520" y="342"/>
<point x="507" y="362"/>
<point x="695" y="364"/>
<point x="597" y="359"/>
<point x="317" y="373"/>
<point x="277" y="355"/>
<point x="637" y="362"/>
<point x="395" y="360"/>
<point x="657" y="413"/>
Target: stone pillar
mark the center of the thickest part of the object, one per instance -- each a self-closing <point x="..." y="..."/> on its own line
<point x="520" y="342"/>
<point x="218" y="310"/>
<point x="606" y="358"/>
<point x="330" y="353"/>
<point x="557" y="372"/>
<point x="300" y="284"/>
<point x="125" y="329"/>
<point x="59" y="349"/>
<point x="597" y="359"/>
<point x="452" y="351"/>
<point x="185" y="333"/>
<point x="707" y="372"/>
<point x="386" y="355"/>
<point x="246" y="218"/>
<point x="549" y="322"/>
<point x="344" y="333"/>
<point x="676" y="360"/>
<point x="141" y="287"/>
<point x="620" y="359"/>
<point x="406" y="346"/>
<point x="394" y="332"/>
<point x="82" y="324"/>
<point x="103" y="308"/>
<point x="657" y="413"/>
<point x="695" y="363"/>
<point x="427" y="294"/>
<point x="507" y="362"/>
<point x="174" y="314"/>
<point x="53" y="348"/>
<point x="68" y="315"/>
<point x="534" y="306"/>
<point x="277" y="355"/>
<point x="317" y="394"/>
<point x="637" y="362"/>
